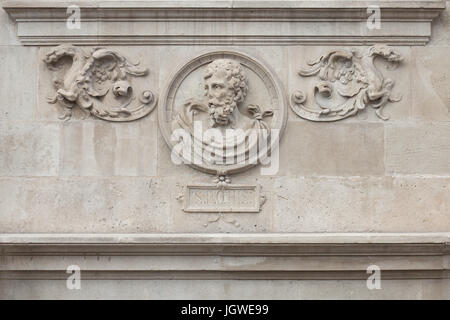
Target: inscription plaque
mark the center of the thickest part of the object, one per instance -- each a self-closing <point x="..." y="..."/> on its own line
<point x="229" y="198"/>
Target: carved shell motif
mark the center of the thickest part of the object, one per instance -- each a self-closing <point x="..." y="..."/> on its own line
<point x="99" y="83"/>
<point x="347" y="83"/>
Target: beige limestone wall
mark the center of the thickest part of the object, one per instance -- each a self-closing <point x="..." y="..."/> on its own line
<point x="360" y="174"/>
<point x="356" y="175"/>
<point x="224" y="289"/>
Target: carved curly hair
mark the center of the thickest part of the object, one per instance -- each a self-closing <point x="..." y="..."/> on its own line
<point x="235" y="75"/>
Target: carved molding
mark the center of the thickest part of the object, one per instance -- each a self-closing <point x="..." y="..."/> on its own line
<point x="347" y="82"/>
<point x="98" y="83"/>
<point x="261" y="256"/>
<point x="295" y="22"/>
<point x="229" y="198"/>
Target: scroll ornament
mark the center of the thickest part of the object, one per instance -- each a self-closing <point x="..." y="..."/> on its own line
<point x="99" y="83"/>
<point x="348" y="83"/>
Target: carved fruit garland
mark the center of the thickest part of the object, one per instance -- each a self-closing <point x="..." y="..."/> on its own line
<point x="91" y="77"/>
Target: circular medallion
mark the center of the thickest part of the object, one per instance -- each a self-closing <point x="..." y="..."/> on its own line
<point x="222" y="112"/>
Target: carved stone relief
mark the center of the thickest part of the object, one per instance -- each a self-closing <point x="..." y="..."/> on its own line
<point x="98" y="82"/>
<point x="347" y="83"/>
<point x="221" y="113"/>
<point x="223" y="199"/>
<point x="219" y="109"/>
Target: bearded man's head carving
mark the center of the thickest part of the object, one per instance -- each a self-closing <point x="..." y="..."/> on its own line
<point x="226" y="85"/>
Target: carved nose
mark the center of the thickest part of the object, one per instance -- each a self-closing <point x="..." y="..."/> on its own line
<point x="121" y="88"/>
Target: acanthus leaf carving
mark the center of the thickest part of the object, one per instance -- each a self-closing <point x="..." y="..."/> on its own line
<point x="90" y="78"/>
<point x="348" y="83"/>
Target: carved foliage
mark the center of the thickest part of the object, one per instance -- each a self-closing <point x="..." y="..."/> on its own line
<point x="347" y="83"/>
<point x="99" y="83"/>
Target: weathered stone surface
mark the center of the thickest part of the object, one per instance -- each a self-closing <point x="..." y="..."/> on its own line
<point x="413" y="148"/>
<point x="29" y="149"/>
<point x="224" y="289"/>
<point x="358" y="204"/>
<point x="95" y="148"/>
<point x="317" y="149"/>
<point x="292" y="205"/>
<point x="18" y="78"/>
<point x="430" y="92"/>
<point x="441" y="37"/>
<point x="7" y="30"/>
<point x="79" y="205"/>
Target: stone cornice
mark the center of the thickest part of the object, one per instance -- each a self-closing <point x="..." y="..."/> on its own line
<point x="225" y="238"/>
<point x="228" y="244"/>
<point x="226" y="22"/>
<point x="225" y="256"/>
<point x="269" y="10"/>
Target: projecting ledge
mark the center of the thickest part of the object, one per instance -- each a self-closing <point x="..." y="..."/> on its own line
<point x="225" y="22"/>
<point x="228" y="244"/>
<point x="225" y="256"/>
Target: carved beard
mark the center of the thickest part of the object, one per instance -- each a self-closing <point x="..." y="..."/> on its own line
<point x="221" y="111"/>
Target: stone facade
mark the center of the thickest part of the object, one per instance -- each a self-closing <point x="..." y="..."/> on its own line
<point x="87" y="176"/>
